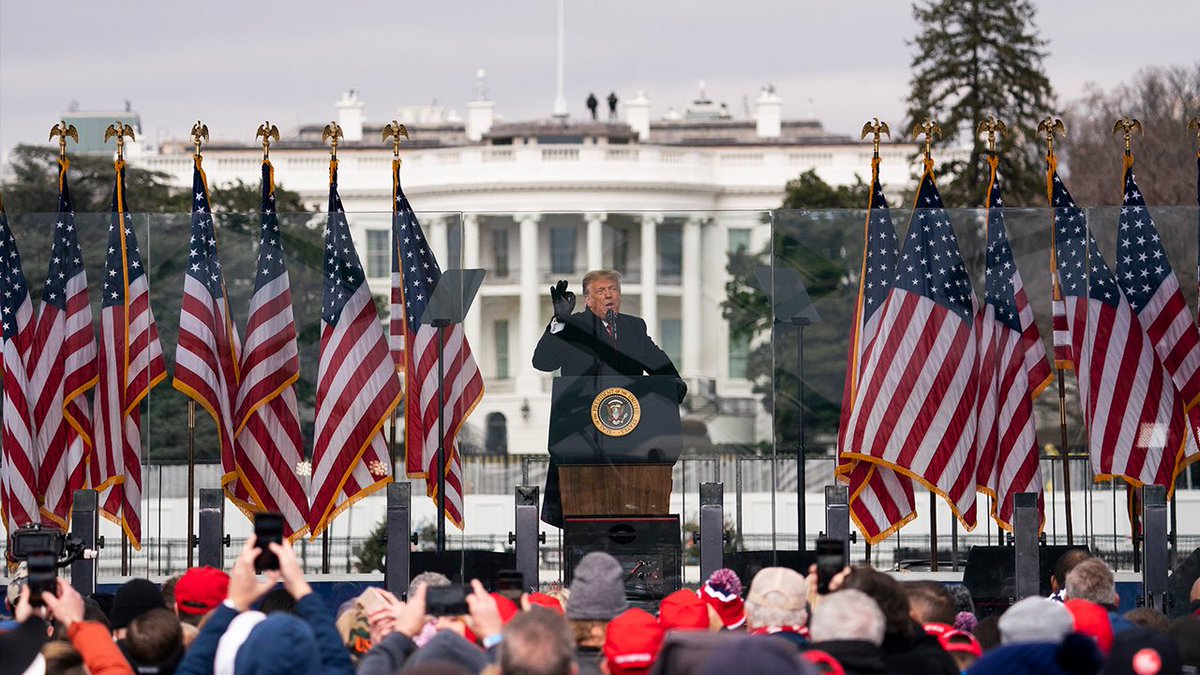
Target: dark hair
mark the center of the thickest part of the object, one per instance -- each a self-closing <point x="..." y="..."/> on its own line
<point x="277" y="600"/>
<point x="154" y="636"/>
<point x="987" y="631"/>
<point x="931" y="601"/>
<point x="1067" y="562"/>
<point x="537" y="642"/>
<point x="1148" y="617"/>
<point x="888" y="594"/>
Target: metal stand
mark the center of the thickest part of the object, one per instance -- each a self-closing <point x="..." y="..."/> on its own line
<point x="712" y="528"/>
<point x="396" y="570"/>
<point x="837" y="516"/>
<point x="1154" y="546"/>
<point x="799" y="322"/>
<point x="212" y="528"/>
<point x="85" y="524"/>
<point x="1025" y="526"/>
<point x="527" y="536"/>
<point x="191" y="481"/>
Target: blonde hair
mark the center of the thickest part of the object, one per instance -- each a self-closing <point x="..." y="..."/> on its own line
<point x="597" y="275"/>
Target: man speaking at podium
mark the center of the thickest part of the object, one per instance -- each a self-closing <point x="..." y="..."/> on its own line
<point x="598" y="341"/>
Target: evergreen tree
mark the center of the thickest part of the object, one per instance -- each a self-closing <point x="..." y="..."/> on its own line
<point x="974" y="59"/>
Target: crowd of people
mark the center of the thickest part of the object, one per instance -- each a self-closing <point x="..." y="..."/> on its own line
<point x="209" y="622"/>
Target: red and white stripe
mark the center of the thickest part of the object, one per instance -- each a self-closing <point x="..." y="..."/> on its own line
<point x="1013" y="371"/>
<point x="64" y="366"/>
<point x="19" y="480"/>
<point x="915" y="407"/>
<point x="131" y="364"/>
<point x="269" y="444"/>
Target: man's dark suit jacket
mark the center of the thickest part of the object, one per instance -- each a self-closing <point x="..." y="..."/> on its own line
<point x="583" y="348"/>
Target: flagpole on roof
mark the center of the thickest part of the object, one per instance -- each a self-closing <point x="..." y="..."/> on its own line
<point x="394" y="130"/>
<point x="929" y="128"/>
<point x="1050" y="126"/>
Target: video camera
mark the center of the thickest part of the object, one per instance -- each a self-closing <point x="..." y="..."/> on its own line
<point x="44" y="550"/>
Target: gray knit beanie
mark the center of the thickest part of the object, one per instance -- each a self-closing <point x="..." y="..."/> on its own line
<point x="598" y="589"/>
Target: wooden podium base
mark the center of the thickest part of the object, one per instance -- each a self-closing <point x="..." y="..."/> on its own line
<point x="615" y="489"/>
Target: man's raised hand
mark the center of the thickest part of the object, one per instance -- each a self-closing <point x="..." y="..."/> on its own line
<point x="563" y="300"/>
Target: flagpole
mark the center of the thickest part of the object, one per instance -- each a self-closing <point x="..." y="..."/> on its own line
<point x="394" y="131"/>
<point x="191" y="478"/>
<point x="1049" y="126"/>
<point x="933" y="532"/>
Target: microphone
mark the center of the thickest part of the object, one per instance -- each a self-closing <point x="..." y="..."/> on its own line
<point x="610" y="317"/>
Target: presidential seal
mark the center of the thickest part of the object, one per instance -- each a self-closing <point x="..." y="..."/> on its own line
<point x="615" y="411"/>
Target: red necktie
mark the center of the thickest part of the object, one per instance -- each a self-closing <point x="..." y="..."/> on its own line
<point x="608" y="327"/>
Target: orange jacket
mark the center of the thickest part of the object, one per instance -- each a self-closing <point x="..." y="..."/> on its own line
<point x="95" y="644"/>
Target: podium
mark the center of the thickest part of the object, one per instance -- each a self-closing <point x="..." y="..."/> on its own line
<point x="614" y="441"/>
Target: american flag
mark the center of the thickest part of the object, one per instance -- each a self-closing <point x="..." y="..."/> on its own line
<point x="1135" y="425"/>
<point x="206" y="356"/>
<point x="357" y="388"/>
<point x="131" y="364"/>
<point x="18" y="482"/>
<point x="881" y="500"/>
<point x="269" y="447"/>
<point x="415" y="273"/>
<point x="64" y="365"/>
<point x="914" y="409"/>
<point x="1145" y="275"/>
<point x="1013" y="371"/>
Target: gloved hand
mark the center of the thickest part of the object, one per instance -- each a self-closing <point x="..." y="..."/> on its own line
<point x="681" y="389"/>
<point x="563" y="300"/>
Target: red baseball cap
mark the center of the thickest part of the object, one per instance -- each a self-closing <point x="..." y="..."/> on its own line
<point x="507" y="608"/>
<point x="547" y="601"/>
<point x="960" y="641"/>
<point x="683" y="609"/>
<point x="200" y="590"/>
<point x="825" y="664"/>
<point x="632" y="641"/>
<point x="1092" y="620"/>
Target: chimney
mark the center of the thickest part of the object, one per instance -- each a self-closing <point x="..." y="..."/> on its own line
<point x="350" y="116"/>
<point x="637" y="115"/>
<point x="481" y="112"/>
<point x="768" y="113"/>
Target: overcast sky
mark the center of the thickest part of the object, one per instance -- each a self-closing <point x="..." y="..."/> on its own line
<point x="234" y="63"/>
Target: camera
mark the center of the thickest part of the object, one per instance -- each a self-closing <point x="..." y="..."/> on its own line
<point x="44" y="550"/>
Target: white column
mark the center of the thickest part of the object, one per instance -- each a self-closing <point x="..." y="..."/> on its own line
<point x="530" y="316"/>
<point x="438" y="241"/>
<point x="473" y="325"/>
<point x="693" y="336"/>
<point x="650" y="273"/>
<point x="595" y="240"/>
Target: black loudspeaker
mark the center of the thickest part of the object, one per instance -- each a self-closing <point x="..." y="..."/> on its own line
<point x="463" y="566"/>
<point x="1179" y="584"/>
<point x="650" y="549"/>
<point x="748" y="563"/>
<point x="991" y="570"/>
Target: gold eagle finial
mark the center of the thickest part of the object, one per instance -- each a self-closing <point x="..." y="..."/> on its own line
<point x="992" y="126"/>
<point x="394" y="131"/>
<point x="331" y="133"/>
<point x="199" y="134"/>
<point x="1127" y="124"/>
<point x="1049" y="127"/>
<point x="876" y="128"/>
<point x="929" y="128"/>
<point x="267" y="131"/>
<point x="64" y="131"/>
<point x="119" y="130"/>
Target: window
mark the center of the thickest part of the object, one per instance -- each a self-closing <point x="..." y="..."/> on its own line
<point x="495" y="439"/>
<point x="562" y="250"/>
<point x="620" y="250"/>
<point x="379" y="253"/>
<point x="500" y="249"/>
<point x="453" y="245"/>
<point x="500" y="339"/>
<point x="739" y="355"/>
<point x="672" y="340"/>
<point x="670" y="252"/>
<point x="739" y="239"/>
